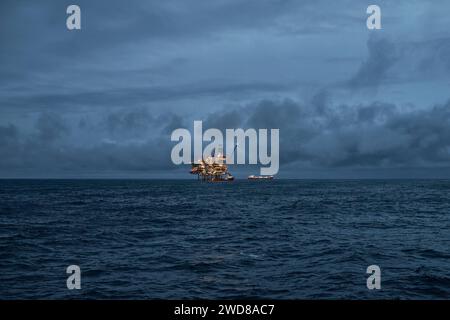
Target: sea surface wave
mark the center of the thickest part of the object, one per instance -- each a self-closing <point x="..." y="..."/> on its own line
<point x="281" y="239"/>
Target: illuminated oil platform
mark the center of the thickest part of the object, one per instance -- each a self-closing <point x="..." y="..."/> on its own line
<point x="213" y="168"/>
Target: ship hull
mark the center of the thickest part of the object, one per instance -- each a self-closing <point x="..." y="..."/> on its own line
<point x="260" y="178"/>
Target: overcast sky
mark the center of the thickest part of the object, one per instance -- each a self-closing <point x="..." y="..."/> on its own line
<point x="102" y="102"/>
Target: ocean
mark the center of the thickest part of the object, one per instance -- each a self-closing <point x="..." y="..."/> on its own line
<point x="183" y="239"/>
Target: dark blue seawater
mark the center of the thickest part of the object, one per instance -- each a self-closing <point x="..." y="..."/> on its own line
<point x="187" y="239"/>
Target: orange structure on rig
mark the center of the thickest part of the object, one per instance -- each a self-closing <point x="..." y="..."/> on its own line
<point x="213" y="168"/>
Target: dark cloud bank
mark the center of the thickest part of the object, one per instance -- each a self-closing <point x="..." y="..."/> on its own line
<point x="312" y="137"/>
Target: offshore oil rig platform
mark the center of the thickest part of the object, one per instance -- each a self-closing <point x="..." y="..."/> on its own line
<point x="213" y="168"/>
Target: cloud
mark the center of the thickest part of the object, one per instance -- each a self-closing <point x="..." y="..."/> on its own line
<point x="383" y="54"/>
<point x="50" y="127"/>
<point x="106" y="98"/>
<point x="374" y="135"/>
<point x="93" y="145"/>
<point x="133" y="95"/>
